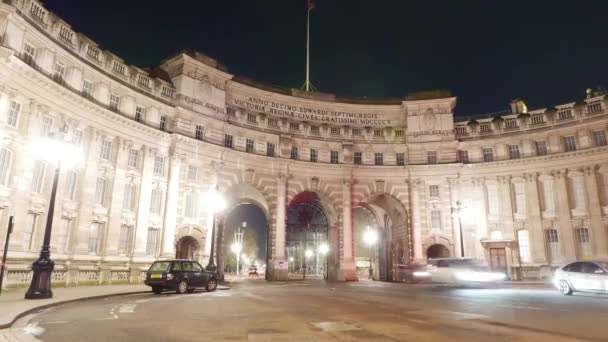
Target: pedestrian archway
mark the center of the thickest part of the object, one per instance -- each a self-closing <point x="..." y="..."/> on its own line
<point x="187" y="248"/>
<point x="437" y="251"/>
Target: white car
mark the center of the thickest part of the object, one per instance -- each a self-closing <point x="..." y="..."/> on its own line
<point x="462" y="271"/>
<point x="582" y="276"/>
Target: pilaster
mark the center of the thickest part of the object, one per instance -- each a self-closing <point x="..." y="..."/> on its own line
<point x="599" y="236"/>
<point x="454" y="183"/>
<point x="534" y="223"/>
<point x="563" y="214"/>
<point x="348" y="270"/>
<point x="170" y="218"/>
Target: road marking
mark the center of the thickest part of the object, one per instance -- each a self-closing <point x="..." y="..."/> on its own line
<point x="335" y="326"/>
<point x="33" y="329"/>
<point x="522" y="307"/>
<point x="460" y="316"/>
<point x="107" y="318"/>
<point x="127" y="308"/>
<point x="55" y="322"/>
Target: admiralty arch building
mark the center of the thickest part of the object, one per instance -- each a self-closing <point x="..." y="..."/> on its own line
<point x="522" y="191"/>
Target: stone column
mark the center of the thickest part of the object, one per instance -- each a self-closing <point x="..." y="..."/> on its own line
<point x="479" y="203"/>
<point x="116" y="204"/>
<point x="280" y="267"/>
<point x="170" y="218"/>
<point x="534" y="223"/>
<point x="143" y="207"/>
<point x="348" y="270"/>
<point x="455" y="223"/>
<point x="562" y="211"/>
<point x="415" y="214"/>
<point x="599" y="237"/>
<point x="506" y="207"/>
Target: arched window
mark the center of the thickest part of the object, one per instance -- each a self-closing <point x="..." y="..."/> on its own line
<point x="6" y="158"/>
<point x="583" y="243"/>
<point x="523" y="238"/>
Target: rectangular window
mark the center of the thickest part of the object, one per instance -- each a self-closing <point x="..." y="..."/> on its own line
<point x="28" y="54"/>
<point x="578" y="191"/>
<point x="163" y="123"/>
<point x="463" y="156"/>
<point x="100" y="191"/>
<point x="400" y="157"/>
<point x="6" y="157"/>
<point x="249" y="146"/>
<point x="270" y="149"/>
<point x="38" y="176"/>
<point x="357" y="132"/>
<point x="315" y="130"/>
<point x="114" y="102"/>
<point x="94" y="234"/>
<point x="552" y="242"/>
<point x="335" y="131"/>
<point x="192" y="172"/>
<point x="140" y="114"/>
<point x="431" y="157"/>
<point x="106" y="150"/>
<point x="58" y="72"/>
<point x="599" y="138"/>
<point x="548" y="200"/>
<point x="231" y="112"/>
<point x="399" y="133"/>
<point x="191" y="209"/>
<point x="434" y="191"/>
<point x="334" y="157"/>
<point x="228" y="140"/>
<point x="77" y="137"/>
<point x="493" y="206"/>
<point x="488" y="154"/>
<point x="129" y="197"/>
<point x="159" y="166"/>
<point x="541" y="148"/>
<point x="583" y="242"/>
<point x="274" y="123"/>
<point x="71" y="181"/>
<point x="199" y="134"/>
<point x="513" y="151"/>
<point x="252" y="118"/>
<point x="313" y="155"/>
<point x="569" y="143"/>
<point x="378" y="158"/>
<point x="124" y="240"/>
<point x="520" y="198"/>
<point x="156" y="200"/>
<point x="595" y="107"/>
<point x="378" y="133"/>
<point x="47" y="125"/>
<point x="358" y="158"/>
<point x="523" y="238"/>
<point x="294" y="152"/>
<point x="133" y="158"/>
<point x="13" y="113"/>
<point x="151" y="241"/>
<point x="294" y="126"/>
<point x="436" y="219"/>
<point x="87" y="89"/>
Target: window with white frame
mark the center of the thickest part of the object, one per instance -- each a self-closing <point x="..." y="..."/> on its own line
<point x="231" y="112"/>
<point x="541" y="148"/>
<point x="28" y="54"/>
<point x="228" y="140"/>
<point x="140" y="113"/>
<point x="493" y="205"/>
<point x="38" y="176"/>
<point x="163" y="123"/>
<point x="133" y="159"/>
<point x="124" y="240"/>
<point x="313" y="155"/>
<point x="71" y="181"/>
<point x="58" y="72"/>
<point x="199" y="133"/>
<point x="100" y="191"/>
<point x="334" y="157"/>
<point x="151" y="241"/>
<point x="106" y="149"/>
<point x="578" y="191"/>
<point x="192" y="173"/>
<point x="431" y="157"/>
<point x="552" y="243"/>
<point x="378" y="158"/>
<point x="358" y="158"/>
<point x="252" y="118"/>
<point x="488" y="154"/>
<point x="523" y="238"/>
<point x="249" y="146"/>
<point x="335" y="131"/>
<point x="114" y="102"/>
<point x="357" y="132"/>
<point x="463" y="156"/>
<point x="159" y="165"/>
<point x="513" y="151"/>
<point x="599" y="138"/>
<point x="294" y="153"/>
<point x="87" y="88"/>
<point x="400" y="158"/>
<point x="569" y="143"/>
<point x="190" y="207"/>
<point x="583" y="243"/>
<point x="156" y="200"/>
<point x="294" y="126"/>
<point x="14" y="109"/>
<point x="94" y="235"/>
<point x="434" y="191"/>
<point x="274" y="123"/>
<point x="270" y="147"/>
<point x="436" y="219"/>
<point x="520" y="197"/>
<point x="548" y="197"/>
<point x="128" y="198"/>
<point x="6" y="159"/>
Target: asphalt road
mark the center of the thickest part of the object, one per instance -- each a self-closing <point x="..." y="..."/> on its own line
<point x="315" y="311"/>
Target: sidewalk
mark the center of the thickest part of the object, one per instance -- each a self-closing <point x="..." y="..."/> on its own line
<point x="13" y="305"/>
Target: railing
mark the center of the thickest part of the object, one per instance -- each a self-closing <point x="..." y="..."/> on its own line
<point x="61" y="277"/>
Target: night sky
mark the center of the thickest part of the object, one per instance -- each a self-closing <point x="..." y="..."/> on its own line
<point x="485" y="52"/>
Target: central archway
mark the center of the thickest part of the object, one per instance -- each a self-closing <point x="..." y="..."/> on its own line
<point x="187" y="248"/>
<point x="437" y="251"/>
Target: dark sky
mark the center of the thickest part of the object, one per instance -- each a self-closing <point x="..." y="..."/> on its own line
<point x="485" y="51"/>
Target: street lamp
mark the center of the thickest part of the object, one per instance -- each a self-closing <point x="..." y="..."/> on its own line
<point x="370" y="237"/>
<point x="324" y="250"/>
<point x="54" y="149"/>
<point x="237" y="246"/>
<point x="457" y="212"/>
<point x="215" y="204"/>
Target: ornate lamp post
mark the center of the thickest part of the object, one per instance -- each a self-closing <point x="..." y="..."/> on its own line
<point x="56" y="150"/>
<point x="370" y="237"/>
<point x="237" y="246"/>
<point x="324" y="250"/>
<point x="457" y="211"/>
<point x="215" y="203"/>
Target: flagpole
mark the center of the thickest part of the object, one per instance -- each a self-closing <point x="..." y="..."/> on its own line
<point x="307" y="84"/>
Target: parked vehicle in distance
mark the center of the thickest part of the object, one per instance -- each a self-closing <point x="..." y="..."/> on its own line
<point x="253" y="270"/>
<point x="414" y="273"/>
<point x="582" y="276"/>
<point x="179" y="275"/>
<point x="462" y="271"/>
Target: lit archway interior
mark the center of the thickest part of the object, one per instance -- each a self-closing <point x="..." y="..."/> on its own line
<point x="437" y="251"/>
<point x="187" y="248"/>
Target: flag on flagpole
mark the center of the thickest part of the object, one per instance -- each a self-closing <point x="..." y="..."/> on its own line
<point x="311" y="5"/>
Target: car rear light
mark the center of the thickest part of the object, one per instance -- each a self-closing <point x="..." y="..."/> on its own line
<point x="169" y="276"/>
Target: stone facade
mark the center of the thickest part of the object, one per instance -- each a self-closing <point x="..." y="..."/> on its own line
<point x="533" y="185"/>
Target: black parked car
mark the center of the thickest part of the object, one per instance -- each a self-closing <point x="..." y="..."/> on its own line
<point x="180" y="276"/>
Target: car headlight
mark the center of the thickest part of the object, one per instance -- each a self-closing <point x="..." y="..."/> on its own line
<point x="421" y="274"/>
